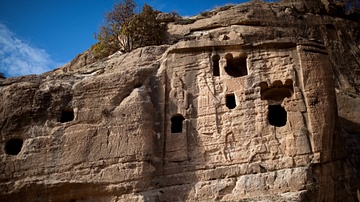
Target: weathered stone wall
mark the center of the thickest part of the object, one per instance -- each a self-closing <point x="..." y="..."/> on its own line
<point x="257" y="102"/>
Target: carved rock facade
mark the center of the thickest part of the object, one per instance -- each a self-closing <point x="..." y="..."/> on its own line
<point x="244" y="107"/>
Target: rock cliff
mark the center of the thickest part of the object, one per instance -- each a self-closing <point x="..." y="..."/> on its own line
<point x="253" y="102"/>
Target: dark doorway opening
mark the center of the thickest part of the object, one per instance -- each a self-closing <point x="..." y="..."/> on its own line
<point x="216" y="66"/>
<point x="13" y="146"/>
<point x="277" y="115"/>
<point x="177" y="123"/>
<point x="230" y="101"/>
<point x="235" y="67"/>
<point x="67" y="115"/>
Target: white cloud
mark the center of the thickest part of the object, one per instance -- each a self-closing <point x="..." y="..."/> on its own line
<point x="18" y="58"/>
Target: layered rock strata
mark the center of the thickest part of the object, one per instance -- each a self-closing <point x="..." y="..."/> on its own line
<point x="256" y="102"/>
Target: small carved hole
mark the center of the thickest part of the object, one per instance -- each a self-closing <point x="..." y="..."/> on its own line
<point x="177" y="123"/>
<point x="277" y="115"/>
<point x="13" y="146"/>
<point x="230" y="101"/>
<point x="67" y="115"/>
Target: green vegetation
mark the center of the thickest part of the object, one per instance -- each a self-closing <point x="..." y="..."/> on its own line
<point x="125" y="30"/>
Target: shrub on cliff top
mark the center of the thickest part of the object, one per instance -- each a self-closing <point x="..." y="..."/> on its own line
<point x="125" y="30"/>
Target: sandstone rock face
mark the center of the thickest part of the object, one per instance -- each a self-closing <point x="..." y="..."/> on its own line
<point x="258" y="102"/>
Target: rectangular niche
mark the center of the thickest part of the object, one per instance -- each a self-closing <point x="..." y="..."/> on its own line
<point x="230" y="101"/>
<point x="67" y="115"/>
<point x="177" y="123"/>
<point x="236" y="67"/>
<point x="277" y="115"/>
<point x="216" y="65"/>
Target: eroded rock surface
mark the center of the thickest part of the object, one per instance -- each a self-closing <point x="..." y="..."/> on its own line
<point x="256" y="102"/>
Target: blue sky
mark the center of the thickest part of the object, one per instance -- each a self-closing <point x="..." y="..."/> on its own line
<point x="39" y="35"/>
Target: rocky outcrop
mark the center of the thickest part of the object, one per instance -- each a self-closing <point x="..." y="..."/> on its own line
<point x="255" y="102"/>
